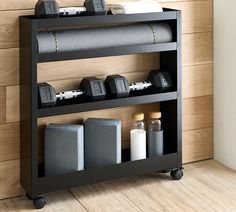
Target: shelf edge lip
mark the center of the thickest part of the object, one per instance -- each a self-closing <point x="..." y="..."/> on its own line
<point x="106" y="104"/>
<point x="107" y="52"/>
<point x="106" y="19"/>
<point x="100" y="174"/>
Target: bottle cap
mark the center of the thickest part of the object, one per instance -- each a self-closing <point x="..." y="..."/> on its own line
<point x="138" y="116"/>
<point x="155" y="115"/>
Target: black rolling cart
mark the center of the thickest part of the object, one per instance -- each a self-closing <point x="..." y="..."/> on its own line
<point x="171" y="102"/>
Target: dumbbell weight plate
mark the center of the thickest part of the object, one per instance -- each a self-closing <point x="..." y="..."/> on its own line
<point x="93" y="88"/>
<point x="95" y="7"/>
<point x="161" y="80"/>
<point x="47" y="9"/>
<point x="117" y="86"/>
<point x="46" y="95"/>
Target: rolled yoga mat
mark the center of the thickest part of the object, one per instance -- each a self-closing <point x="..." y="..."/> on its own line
<point x="95" y="38"/>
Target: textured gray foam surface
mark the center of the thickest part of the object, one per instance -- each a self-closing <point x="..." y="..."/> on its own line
<point x="85" y="39"/>
<point x="102" y="142"/>
<point x="64" y="149"/>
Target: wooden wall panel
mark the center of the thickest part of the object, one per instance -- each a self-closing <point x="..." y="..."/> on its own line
<point x="9" y="141"/>
<point x="197" y="145"/>
<point x="197" y="49"/>
<point x="9" y="66"/>
<point x="197" y="15"/>
<point x="2" y="105"/>
<point x="9" y="24"/>
<point x="12" y="104"/>
<point x="10" y="179"/>
<point x="197" y="113"/>
<point x="197" y="83"/>
<point x="100" y="66"/>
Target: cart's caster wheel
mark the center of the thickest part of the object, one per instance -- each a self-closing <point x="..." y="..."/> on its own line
<point x="39" y="202"/>
<point x="176" y="174"/>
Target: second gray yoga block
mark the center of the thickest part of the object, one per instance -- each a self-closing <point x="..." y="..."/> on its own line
<point x="64" y="149"/>
<point x="102" y="142"/>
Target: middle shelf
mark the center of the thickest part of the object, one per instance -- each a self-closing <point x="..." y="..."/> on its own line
<point x="105" y="104"/>
<point x="112" y="51"/>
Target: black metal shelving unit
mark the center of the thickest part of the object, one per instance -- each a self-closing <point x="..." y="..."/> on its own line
<point x="171" y="102"/>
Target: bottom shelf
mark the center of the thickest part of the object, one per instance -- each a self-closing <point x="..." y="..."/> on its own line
<point x="125" y="169"/>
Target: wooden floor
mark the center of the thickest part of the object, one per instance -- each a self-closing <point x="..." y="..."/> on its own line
<point x="206" y="186"/>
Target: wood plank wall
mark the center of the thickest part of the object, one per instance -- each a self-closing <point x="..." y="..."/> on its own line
<point x="197" y="82"/>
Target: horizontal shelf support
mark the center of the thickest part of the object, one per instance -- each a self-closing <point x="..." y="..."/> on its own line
<point x="105" y="104"/>
<point x="95" y="175"/>
<point x="112" y="51"/>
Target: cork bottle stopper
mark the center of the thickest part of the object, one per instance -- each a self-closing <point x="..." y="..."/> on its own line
<point x="155" y="115"/>
<point x="138" y="116"/>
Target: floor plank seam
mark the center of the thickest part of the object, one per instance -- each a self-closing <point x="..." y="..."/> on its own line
<point x="131" y="201"/>
<point x="71" y="193"/>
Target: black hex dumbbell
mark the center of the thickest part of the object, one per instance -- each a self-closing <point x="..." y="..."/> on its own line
<point x="50" y="9"/>
<point x="118" y="86"/>
<point x="91" y="88"/>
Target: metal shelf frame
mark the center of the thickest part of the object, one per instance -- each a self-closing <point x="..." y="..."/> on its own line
<point x="171" y="102"/>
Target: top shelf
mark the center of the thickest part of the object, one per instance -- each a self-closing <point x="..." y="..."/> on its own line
<point x="168" y="14"/>
<point x="33" y="25"/>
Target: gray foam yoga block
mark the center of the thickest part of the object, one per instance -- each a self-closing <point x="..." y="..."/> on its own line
<point x="102" y="142"/>
<point x="64" y="149"/>
<point x="95" y="38"/>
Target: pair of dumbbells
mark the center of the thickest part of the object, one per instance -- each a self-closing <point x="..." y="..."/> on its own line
<point x="115" y="86"/>
<point x="51" y="9"/>
<point x="91" y="88"/>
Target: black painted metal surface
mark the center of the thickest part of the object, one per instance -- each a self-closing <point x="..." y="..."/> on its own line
<point x="131" y="168"/>
<point x="114" y="51"/>
<point x="170" y="59"/>
<point x="111" y="103"/>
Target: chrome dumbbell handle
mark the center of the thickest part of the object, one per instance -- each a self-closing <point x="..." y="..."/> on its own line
<point x="69" y="94"/>
<point x="140" y="86"/>
<point x="67" y="11"/>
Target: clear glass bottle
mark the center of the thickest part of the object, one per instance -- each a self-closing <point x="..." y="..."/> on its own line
<point x="155" y="135"/>
<point x="138" y="138"/>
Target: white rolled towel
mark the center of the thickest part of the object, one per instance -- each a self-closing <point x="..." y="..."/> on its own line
<point x="143" y="6"/>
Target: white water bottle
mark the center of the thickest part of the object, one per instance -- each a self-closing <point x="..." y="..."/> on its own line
<point x="138" y="138"/>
